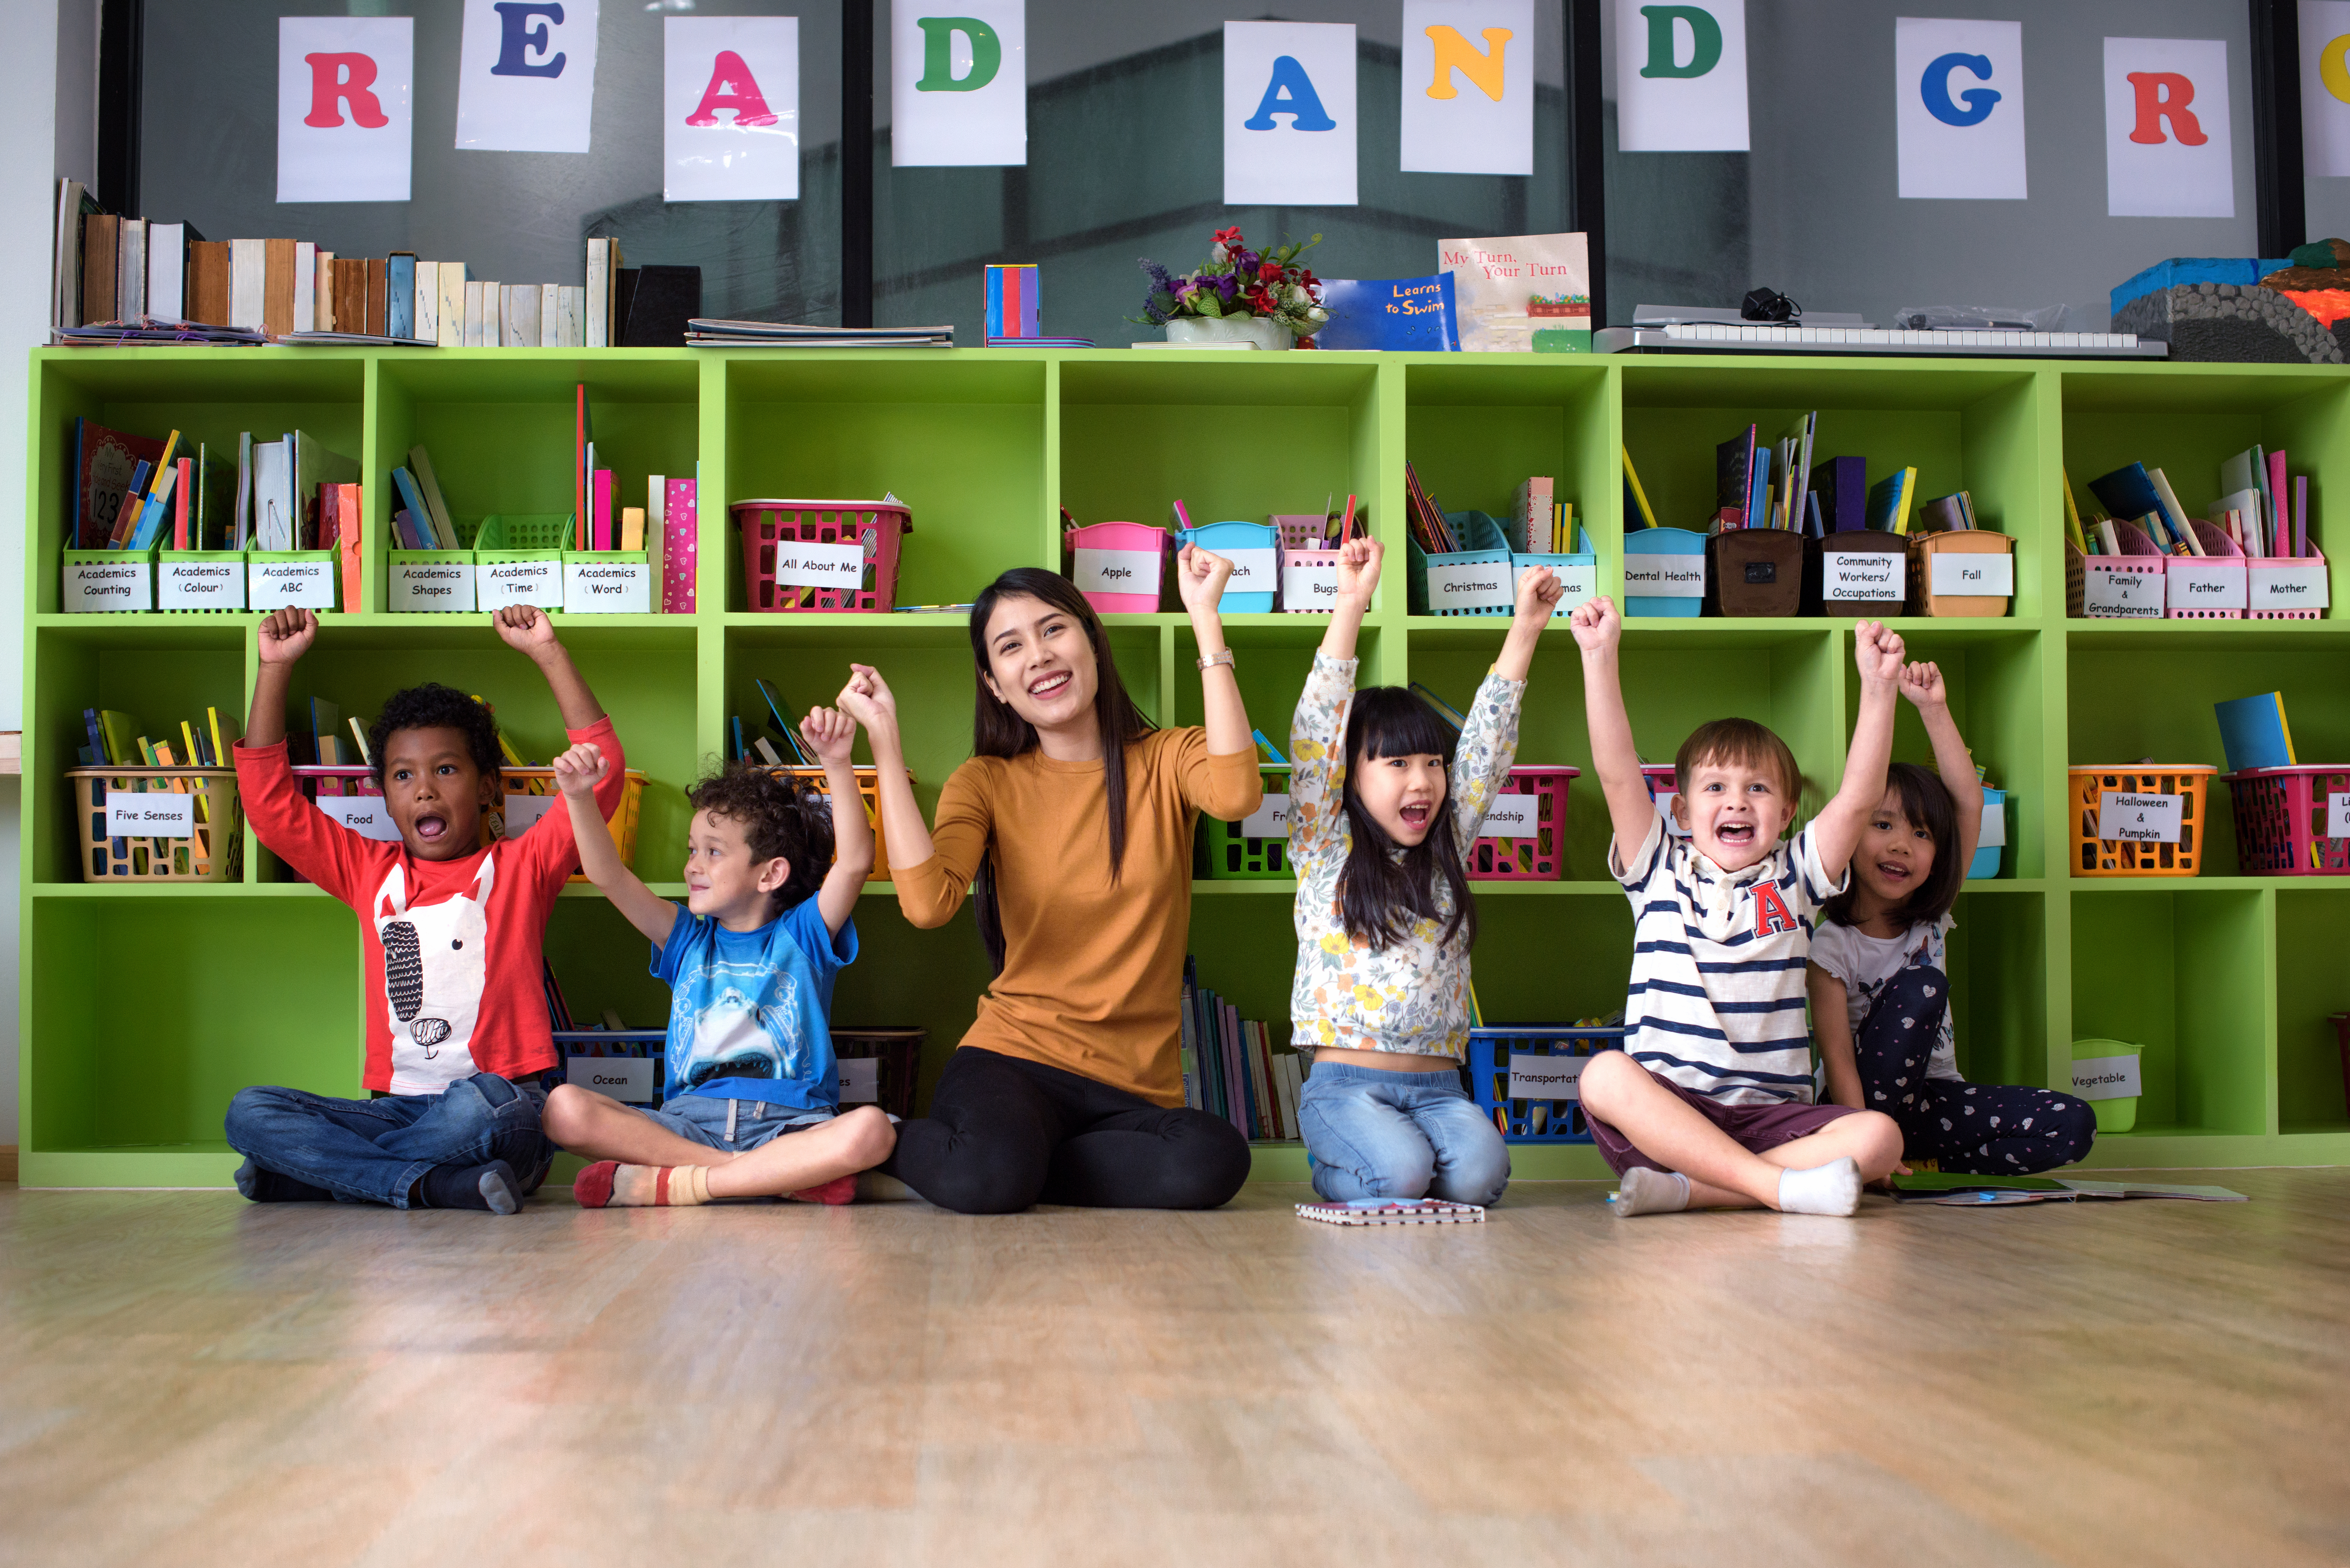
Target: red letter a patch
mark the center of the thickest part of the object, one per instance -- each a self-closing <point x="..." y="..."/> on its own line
<point x="1771" y="916"/>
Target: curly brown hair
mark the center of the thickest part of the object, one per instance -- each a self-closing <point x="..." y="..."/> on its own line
<point x="780" y="821"/>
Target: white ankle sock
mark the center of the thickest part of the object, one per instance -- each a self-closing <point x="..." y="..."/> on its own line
<point x="1641" y="1190"/>
<point x="1830" y="1188"/>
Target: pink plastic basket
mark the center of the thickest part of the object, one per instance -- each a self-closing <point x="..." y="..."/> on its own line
<point x="2218" y="548"/>
<point x="876" y="526"/>
<point x="2269" y="563"/>
<point x="1131" y="542"/>
<point x="1541" y="854"/>
<point x="2281" y="821"/>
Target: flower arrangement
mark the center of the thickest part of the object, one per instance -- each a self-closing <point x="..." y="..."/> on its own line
<point x="1239" y="281"/>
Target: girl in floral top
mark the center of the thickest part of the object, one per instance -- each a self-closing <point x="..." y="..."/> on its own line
<point x="1384" y="805"/>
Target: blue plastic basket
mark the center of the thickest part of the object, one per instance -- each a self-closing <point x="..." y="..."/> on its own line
<point x="1532" y="1121"/>
<point x="1487" y="546"/>
<point x="1579" y="571"/>
<point x="1663" y="542"/>
<point x="1985" y="864"/>
<point x="1223" y="539"/>
<point x="612" y="1043"/>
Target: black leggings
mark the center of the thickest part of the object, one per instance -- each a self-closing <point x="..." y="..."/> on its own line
<point x="1975" y="1129"/>
<point x="1004" y="1133"/>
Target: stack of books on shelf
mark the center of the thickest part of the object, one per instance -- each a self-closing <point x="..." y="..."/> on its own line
<point x="123" y="280"/>
<point x="705" y="332"/>
<point x="2262" y="511"/>
<point x="1232" y="1069"/>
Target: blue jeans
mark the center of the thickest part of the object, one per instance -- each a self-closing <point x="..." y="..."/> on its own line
<point x="1398" y="1135"/>
<point x="375" y="1151"/>
<point x="735" y="1127"/>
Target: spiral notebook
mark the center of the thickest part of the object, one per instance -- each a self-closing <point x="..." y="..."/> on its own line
<point x="1393" y="1212"/>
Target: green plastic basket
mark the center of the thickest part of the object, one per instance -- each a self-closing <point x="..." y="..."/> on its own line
<point x="525" y="531"/>
<point x="1229" y="854"/>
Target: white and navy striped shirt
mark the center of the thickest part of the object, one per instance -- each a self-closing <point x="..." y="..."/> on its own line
<point x="1716" y="1002"/>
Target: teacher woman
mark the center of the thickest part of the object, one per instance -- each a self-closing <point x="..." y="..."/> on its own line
<point x="1071" y="828"/>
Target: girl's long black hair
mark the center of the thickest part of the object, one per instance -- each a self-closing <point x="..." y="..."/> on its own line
<point x="1380" y="894"/>
<point x="1926" y="801"/>
<point x="997" y="732"/>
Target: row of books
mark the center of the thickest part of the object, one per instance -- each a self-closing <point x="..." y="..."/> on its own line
<point x="1232" y="1067"/>
<point x="1541" y="524"/>
<point x="151" y="278"/>
<point x="746" y="742"/>
<point x="115" y="738"/>
<point x="2261" y="510"/>
<point x="134" y="492"/>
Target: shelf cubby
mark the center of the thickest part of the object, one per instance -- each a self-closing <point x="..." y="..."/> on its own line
<point x="2186" y="973"/>
<point x="2311" y="985"/>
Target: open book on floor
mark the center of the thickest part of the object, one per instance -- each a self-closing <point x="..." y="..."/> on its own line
<point x="1979" y="1191"/>
<point x="1393" y="1212"/>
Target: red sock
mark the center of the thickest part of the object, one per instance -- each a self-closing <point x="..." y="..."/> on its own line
<point x="839" y="1189"/>
<point x="592" y="1187"/>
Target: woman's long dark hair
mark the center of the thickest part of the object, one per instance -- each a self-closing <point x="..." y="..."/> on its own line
<point x="997" y="732"/>
<point x="1926" y="801"/>
<point x="1381" y="896"/>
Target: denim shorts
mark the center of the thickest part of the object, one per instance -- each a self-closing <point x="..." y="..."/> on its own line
<point x="736" y="1127"/>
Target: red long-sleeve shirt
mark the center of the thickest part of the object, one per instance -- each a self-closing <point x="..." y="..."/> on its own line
<point x="451" y="947"/>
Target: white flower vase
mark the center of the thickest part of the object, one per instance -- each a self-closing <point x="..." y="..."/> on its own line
<point x="1263" y="331"/>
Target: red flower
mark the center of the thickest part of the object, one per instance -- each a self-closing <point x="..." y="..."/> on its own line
<point x="1268" y="271"/>
<point x="1231" y="237"/>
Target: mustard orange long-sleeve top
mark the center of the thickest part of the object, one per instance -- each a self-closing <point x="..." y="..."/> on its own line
<point x="1093" y="971"/>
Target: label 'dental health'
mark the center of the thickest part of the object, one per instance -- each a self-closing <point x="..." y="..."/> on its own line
<point x="1270" y="820"/>
<point x="1117" y="571"/>
<point x="2107" y="1078"/>
<point x="2204" y="585"/>
<point x="2113" y="593"/>
<point x="164" y="814"/>
<point x="1972" y="574"/>
<point x="2140" y="818"/>
<point x="808" y="565"/>
<point x="861" y="1080"/>
<point x="363" y="815"/>
<point x="100" y="585"/>
<point x="1660" y="576"/>
<point x="1865" y="577"/>
<point x="1533" y="1077"/>
<point x="628" y="1078"/>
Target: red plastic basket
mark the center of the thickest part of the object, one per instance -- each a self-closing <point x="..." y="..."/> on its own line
<point x="875" y="525"/>
<point x="2281" y="821"/>
<point x="1541" y="856"/>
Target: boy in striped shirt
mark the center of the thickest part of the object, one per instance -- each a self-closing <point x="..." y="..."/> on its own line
<point x="1708" y="1104"/>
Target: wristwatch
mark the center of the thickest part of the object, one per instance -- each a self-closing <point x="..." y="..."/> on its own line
<point x="1223" y="656"/>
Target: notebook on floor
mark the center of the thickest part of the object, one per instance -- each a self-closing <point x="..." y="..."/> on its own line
<point x="1977" y="1192"/>
<point x="1393" y="1212"/>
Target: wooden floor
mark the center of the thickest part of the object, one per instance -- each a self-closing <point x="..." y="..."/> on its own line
<point x="188" y="1379"/>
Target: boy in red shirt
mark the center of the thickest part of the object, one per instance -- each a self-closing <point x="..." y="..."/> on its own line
<point x="451" y="933"/>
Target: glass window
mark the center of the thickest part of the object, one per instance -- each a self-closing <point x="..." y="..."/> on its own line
<point x="1126" y="160"/>
<point x="208" y="155"/>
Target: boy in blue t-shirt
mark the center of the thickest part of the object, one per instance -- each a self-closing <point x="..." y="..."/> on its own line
<point x="750" y="962"/>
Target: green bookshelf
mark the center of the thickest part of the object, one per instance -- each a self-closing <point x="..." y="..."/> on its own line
<point x="143" y="1007"/>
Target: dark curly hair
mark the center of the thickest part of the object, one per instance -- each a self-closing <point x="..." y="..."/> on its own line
<point x="433" y="706"/>
<point x="780" y="820"/>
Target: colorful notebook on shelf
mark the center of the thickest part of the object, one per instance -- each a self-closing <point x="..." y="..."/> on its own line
<point x="2254" y="732"/>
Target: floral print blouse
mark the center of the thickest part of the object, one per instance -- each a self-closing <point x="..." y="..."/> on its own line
<point x="1413" y="996"/>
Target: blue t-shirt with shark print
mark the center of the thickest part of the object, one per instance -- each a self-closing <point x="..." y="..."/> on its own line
<point x="749" y="1011"/>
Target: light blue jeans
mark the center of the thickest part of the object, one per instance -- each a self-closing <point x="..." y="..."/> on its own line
<point x="1398" y="1135"/>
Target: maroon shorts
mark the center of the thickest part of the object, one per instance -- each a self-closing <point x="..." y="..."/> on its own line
<point x="1753" y="1128"/>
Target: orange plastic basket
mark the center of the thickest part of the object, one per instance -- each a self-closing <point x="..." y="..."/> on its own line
<point x="214" y="850"/>
<point x="623" y="821"/>
<point x="869" y="791"/>
<point x="2095" y="856"/>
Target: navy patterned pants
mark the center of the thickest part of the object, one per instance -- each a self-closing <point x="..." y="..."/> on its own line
<point x="1977" y="1129"/>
